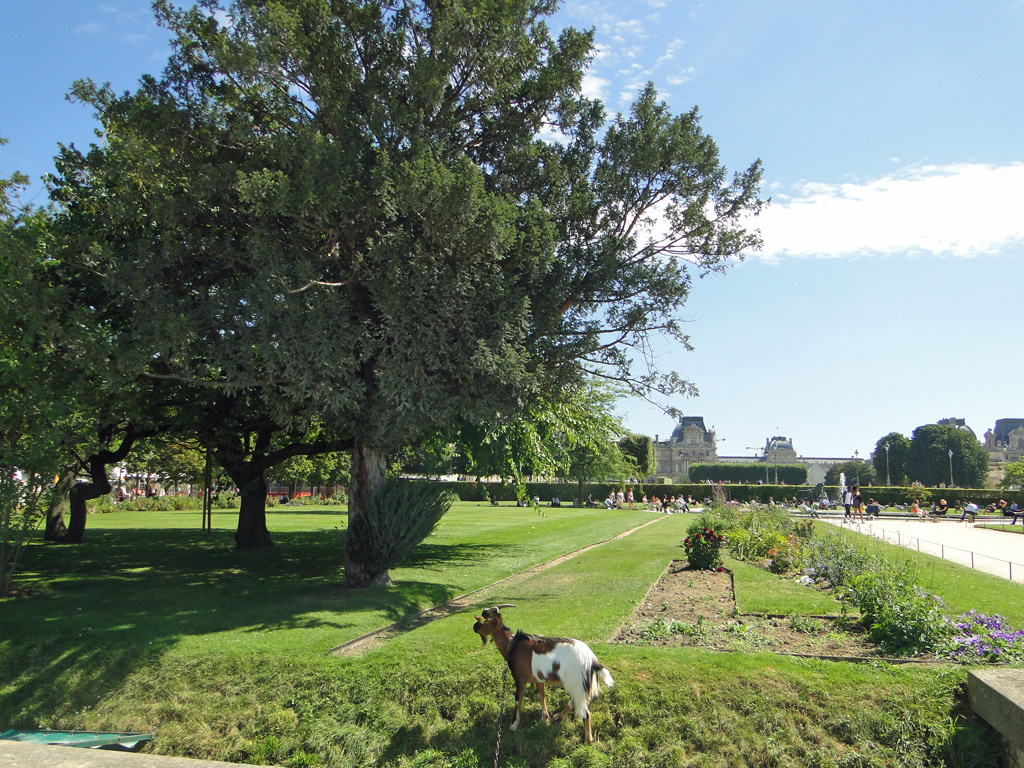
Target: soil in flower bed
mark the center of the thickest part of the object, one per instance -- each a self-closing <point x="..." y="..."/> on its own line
<point x="698" y="609"/>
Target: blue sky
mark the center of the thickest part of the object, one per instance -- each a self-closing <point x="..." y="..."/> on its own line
<point x="888" y="293"/>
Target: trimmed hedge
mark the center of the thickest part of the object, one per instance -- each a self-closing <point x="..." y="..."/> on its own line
<point x="889" y="496"/>
<point x="787" y="474"/>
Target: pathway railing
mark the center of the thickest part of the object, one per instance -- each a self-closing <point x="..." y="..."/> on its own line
<point x="951" y="553"/>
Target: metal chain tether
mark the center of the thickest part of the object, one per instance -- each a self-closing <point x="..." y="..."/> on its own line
<point x="501" y="716"/>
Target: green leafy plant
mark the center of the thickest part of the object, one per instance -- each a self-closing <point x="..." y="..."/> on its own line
<point x="900" y="616"/>
<point x="398" y="517"/>
<point x="704" y="548"/>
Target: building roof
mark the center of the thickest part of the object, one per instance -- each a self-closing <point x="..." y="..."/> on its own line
<point x="686" y="421"/>
<point x="779" y="444"/>
<point x="1005" y="426"/>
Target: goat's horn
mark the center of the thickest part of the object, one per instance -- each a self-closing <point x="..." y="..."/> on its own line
<point x="506" y="605"/>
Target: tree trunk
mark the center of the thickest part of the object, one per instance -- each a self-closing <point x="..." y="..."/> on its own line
<point x="367" y="473"/>
<point x="55" y="527"/>
<point x="79" y="497"/>
<point x="252" y="514"/>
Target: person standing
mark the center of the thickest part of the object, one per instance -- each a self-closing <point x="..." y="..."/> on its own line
<point x="857" y="504"/>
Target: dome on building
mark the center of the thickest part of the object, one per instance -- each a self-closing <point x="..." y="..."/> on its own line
<point x="960" y="424"/>
<point x="779" y="444"/>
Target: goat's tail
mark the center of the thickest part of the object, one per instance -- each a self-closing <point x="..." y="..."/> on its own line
<point x="598" y="674"/>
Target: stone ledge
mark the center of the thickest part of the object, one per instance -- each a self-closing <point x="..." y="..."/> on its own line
<point x="997" y="695"/>
<point x="17" y="754"/>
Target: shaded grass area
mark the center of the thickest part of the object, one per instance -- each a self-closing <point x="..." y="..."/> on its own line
<point x="223" y="655"/>
<point x="146" y="585"/>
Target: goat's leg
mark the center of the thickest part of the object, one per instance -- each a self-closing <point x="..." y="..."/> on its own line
<point x="568" y="708"/>
<point x="588" y="737"/>
<point x="543" y="702"/>
<point x="520" y="690"/>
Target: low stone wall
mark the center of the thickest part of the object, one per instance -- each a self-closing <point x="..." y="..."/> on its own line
<point x="17" y="754"/>
<point x="997" y="695"/>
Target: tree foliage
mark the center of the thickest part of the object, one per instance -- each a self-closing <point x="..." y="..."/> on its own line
<point x="858" y="472"/>
<point x="1013" y="475"/>
<point x="641" y="451"/>
<point x="890" y="466"/>
<point x="929" y="462"/>
<point x="33" y="423"/>
<point x="400" y="516"/>
<point x="352" y="211"/>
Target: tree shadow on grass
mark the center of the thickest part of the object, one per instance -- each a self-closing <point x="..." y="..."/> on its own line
<point x="452" y="555"/>
<point x="116" y="603"/>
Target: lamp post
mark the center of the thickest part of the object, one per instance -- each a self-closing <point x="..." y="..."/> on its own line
<point x="950" y="467"/>
<point x="887" y="482"/>
<point x="856" y="460"/>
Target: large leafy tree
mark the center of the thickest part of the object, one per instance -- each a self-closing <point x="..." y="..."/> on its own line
<point x="929" y="462"/>
<point x="640" y="449"/>
<point x="353" y="210"/>
<point x="168" y="461"/>
<point x="890" y="466"/>
<point x="1013" y="475"/>
<point x="31" y="424"/>
<point x="857" y="471"/>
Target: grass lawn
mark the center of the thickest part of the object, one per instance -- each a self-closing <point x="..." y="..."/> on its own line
<point x="978" y="523"/>
<point x="152" y="624"/>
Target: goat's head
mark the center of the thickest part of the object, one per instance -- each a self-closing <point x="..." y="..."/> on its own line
<point x="489" y="622"/>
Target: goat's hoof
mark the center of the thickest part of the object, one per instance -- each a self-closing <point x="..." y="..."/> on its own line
<point x="557" y="717"/>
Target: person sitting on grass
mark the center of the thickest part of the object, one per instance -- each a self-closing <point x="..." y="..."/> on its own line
<point x="941" y="508"/>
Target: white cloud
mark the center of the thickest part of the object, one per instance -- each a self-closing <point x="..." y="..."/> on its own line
<point x="684" y="76"/>
<point x="630" y="27"/>
<point x="593" y="87"/>
<point x="133" y="27"/>
<point x="671" y="51"/>
<point x="955" y="210"/>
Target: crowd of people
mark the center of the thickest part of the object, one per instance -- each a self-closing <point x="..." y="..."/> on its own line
<point x="855" y="507"/>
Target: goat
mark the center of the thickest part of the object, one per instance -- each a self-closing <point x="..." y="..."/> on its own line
<point x="557" y="661"/>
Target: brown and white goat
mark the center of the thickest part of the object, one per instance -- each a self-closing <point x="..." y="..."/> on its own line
<point x="557" y="661"/>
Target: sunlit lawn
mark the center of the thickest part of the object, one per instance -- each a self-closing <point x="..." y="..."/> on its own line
<point x="153" y="624"/>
